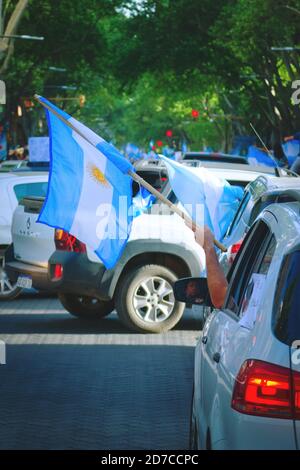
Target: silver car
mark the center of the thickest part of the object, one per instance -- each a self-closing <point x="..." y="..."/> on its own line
<point x="247" y="363"/>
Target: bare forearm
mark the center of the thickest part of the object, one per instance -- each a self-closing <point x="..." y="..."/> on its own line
<point x="216" y="279"/>
<point x="217" y="282"/>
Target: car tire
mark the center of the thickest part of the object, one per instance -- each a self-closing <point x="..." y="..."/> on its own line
<point x="8" y="289"/>
<point x="145" y="300"/>
<point x="85" y="307"/>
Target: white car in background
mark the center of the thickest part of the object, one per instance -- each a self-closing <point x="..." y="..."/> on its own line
<point x="11" y="165"/>
<point x="13" y="187"/>
<point x="247" y="362"/>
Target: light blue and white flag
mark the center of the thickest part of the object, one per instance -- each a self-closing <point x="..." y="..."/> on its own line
<point x="89" y="191"/>
<point x="207" y="199"/>
<point x="142" y="201"/>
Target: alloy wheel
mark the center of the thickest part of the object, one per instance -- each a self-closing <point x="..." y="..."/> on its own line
<point x="154" y="299"/>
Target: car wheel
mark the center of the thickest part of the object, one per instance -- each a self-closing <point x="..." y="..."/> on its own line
<point x="8" y="289"/>
<point x="86" y="307"/>
<point x="145" y="300"/>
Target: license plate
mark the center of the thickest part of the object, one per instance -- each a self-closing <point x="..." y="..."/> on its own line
<point x="25" y="282"/>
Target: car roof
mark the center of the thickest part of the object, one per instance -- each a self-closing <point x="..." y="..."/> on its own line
<point x="14" y="175"/>
<point x="203" y="156"/>
<point x="276" y="182"/>
<point x="239" y="174"/>
<point x="210" y="154"/>
<point x="150" y="164"/>
<point x="286" y="182"/>
<point x="292" y="209"/>
<point x="232" y="165"/>
<point x="12" y="162"/>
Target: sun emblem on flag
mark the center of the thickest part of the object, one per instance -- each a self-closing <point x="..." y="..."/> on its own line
<point x="97" y="175"/>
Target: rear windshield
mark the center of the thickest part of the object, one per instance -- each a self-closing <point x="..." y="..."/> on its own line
<point x="30" y="189"/>
<point x="216" y="158"/>
<point x="286" y="312"/>
<point x="158" y="179"/>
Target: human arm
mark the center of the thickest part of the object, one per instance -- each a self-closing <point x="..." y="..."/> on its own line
<point x="216" y="279"/>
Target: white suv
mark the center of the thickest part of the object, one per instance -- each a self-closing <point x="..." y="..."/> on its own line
<point x="160" y="250"/>
<point x="13" y="187"/>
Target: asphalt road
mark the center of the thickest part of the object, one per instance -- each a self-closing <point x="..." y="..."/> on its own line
<point x="70" y="384"/>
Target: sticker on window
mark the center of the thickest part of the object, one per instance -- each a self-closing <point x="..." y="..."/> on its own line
<point x="251" y="300"/>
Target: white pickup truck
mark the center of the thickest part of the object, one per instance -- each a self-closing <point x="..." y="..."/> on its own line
<point x="160" y="250"/>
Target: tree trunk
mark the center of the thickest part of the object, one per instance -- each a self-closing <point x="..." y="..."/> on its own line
<point x="6" y="44"/>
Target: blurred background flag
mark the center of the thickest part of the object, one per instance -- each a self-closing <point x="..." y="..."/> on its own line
<point x="142" y="201"/>
<point x="198" y="186"/>
<point x="89" y="192"/>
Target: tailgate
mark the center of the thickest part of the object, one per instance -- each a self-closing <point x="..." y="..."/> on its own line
<point x="33" y="242"/>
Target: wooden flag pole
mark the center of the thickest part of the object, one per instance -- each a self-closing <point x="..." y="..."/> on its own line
<point x="135" y="177"/>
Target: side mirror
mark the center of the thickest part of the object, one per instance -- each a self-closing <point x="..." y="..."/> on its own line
<point x="2" y="92"/>
<point x="193" y="291"/>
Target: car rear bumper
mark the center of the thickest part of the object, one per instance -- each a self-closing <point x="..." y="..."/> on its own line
<point x="78" y="274"/>
<point x="39" y="275"/>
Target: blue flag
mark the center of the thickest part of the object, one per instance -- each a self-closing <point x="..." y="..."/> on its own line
<point x="89" y="191"/>
<point x="142" y="201"/>
<point x="207" y="199"/>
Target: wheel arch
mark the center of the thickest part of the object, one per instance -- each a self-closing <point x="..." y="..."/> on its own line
<point x="181" y="261"/>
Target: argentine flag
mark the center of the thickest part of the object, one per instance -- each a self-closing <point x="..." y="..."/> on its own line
<point x="206" y="198"/>
<point x="89" y="190"/>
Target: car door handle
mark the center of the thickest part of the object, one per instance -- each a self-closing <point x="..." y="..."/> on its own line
<point x="217" y="357"/>
<point x="204" y="339"/>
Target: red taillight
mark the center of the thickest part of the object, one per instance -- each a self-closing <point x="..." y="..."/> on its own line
<point x="57" y="272"/>
<point x="233" y="250"/>
<point x="66" y="242"/>
<point x="265" y="389"/>
<point x="296" y="391"/>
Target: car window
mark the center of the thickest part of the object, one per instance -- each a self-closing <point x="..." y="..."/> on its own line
<point x="254" y="256"/>
<point x="30" y="189"/>
<point x="157" y="179"/>
<point x="239" y="213"/>
<point x="286" y="313"/>
<point x="258" y="187"/>
<point x="258" y="273"/>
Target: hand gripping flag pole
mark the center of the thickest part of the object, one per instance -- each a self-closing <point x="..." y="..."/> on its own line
<point x="135" y="177"/>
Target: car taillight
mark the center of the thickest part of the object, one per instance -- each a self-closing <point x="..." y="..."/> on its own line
<point x="233" y="250"/>
<point x="296" y="391"/>
<point x="66" y="242"/>
<point x="265" y="389"/>
<point x="57" y="272"/>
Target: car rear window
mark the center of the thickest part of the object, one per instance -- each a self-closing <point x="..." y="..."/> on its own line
<point x="286" y="313"/>
<point x="30" y="189"/>
<point x="216" y="157"/>
<point x="158" y="179"/>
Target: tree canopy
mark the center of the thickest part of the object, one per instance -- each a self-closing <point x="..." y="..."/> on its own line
<point x="143" y="66"/>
